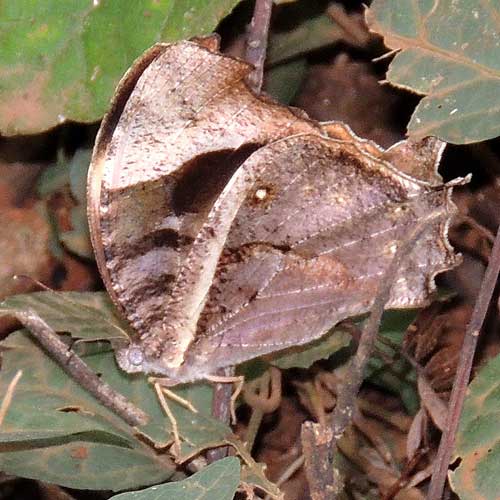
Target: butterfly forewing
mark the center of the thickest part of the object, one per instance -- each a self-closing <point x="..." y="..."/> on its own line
<point x="182" y="123"/>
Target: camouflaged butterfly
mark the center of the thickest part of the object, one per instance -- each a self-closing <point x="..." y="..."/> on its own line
<point x="227" y="226"/>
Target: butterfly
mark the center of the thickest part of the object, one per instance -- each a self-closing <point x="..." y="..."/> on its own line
<point x="227" y="226"/>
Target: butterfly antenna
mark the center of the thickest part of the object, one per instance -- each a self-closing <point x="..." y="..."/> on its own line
<point x="32" y="280"/>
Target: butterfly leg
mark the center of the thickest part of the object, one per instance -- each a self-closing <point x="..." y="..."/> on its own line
<point x="238" y="382"/>
<point x="171" y="394"/>
<point x="173" y="422"/>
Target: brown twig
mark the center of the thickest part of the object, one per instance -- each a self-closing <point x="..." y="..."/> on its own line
<point x="290" y="470"/>
<point x="463" y="373"/>
<point x="256" y="44"/>
<point x="263" y="395"/>
<point x="221" y="402"/>
<point x="318" y="461"/>
<point x="80" y="372"/>
<point x="348" y="392"/>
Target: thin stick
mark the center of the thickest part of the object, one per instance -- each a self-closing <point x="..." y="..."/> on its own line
<point x="256" y="46"/>
<point x="290" y="470"/>
<point x="296" y="465"/>
<point x="321" y="476"/>
<point x="348" y="392"/>
<point x="238" y="381"/>
<point x="80" y="372"/>
<point x="7" y="400"/>
<point x="221" y="410"/>
<point x="463" y="373"/>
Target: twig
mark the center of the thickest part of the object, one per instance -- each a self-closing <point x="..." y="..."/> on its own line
<point x="316" y="447"/>
<point x="348" y="392"/>
<point x="256" y="45"/>
<point x="221" y="411"/>
<point x="80" y="372"/>
<point x="463" y="373"/>
<point x="263" y="395"/>
<point x="290" y="470"/>
<point x="7" y="399"/>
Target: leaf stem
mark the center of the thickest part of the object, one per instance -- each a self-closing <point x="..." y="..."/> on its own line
<point x="221" y="402"/>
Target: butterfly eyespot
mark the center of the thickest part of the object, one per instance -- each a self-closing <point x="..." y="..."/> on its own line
<point x="260" y="194"/>
<point x="391" y="248"/>
<point x="135" y="356"/>
<point x="263" y="195"/>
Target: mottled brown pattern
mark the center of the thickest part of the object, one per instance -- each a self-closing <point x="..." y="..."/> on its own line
<point x="227" y="226"/>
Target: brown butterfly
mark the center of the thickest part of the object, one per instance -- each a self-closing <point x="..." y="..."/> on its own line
<point x="227" y="226"/>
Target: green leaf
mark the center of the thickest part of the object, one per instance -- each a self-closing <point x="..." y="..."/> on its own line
<point x="78" y="168"/>
<point x="85" y="465"/>
<point x="88" y="316"/>
<point x="53" y="178"/>
<point x="311" y="34"/>
<point x="397" y="376"/>
<point x="450" y="52"/>
<point x="55" y="431"/>
<point x="218" y="481"/>
<point x="48" y="406"/>
<point x="71" y="173"/>
<point x="283" y="81"/>
<point x="62" y="60"/>
<point x="305" y="356"/>
<point x="478" y="438"/>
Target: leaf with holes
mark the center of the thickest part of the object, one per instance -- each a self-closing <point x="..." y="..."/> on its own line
<point x="449" y="52"/>
<point x="88" y="316"/>
<point x="478" y="438"/>
<point x="55" y="431"/>
<point x="66" y="417"/>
